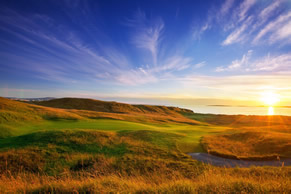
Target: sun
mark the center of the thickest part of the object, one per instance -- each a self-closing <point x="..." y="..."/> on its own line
<point x="270" y="98"/>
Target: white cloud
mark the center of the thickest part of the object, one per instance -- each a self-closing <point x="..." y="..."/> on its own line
<point x="238" y="86"/>
<point x="265" y="13"/>
<point x="199" y="65"/>
<point x="226" y="7"/>
<point x="277" y="63"/>
<point x="147" y="33"/>
<point x="212" y="17"/>
<point x="269" y="63"/>
<point x="136" y="77"/>
<point x="197" y="32"/>
<point x="244" y="8"/>
<point x="282" y="33"/>
<point x="236" y="64"/>
<point x="238" y="34"/>
<point x="174" y="63"/>
<point x="274" y="26"/>
<point x="255" y="25"/>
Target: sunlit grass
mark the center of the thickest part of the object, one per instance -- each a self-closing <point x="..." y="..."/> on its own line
<point x="255" y="145"/>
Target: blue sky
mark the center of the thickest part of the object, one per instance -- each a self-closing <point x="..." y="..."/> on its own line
<point x="226" y="49"/>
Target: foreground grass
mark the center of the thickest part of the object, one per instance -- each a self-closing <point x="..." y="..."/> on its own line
<point x="127" y="161"/>
<point x="211" y="180"/>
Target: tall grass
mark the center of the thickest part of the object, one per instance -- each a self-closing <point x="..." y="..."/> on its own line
<point x="212" y="180"/>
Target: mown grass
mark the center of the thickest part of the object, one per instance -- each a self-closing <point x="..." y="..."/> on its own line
<point x="48" y="150"/>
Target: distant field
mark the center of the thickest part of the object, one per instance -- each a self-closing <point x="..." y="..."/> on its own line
<point x="143" y="150"/>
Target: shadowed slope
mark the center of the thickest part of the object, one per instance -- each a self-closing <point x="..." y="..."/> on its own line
<point x="14" y="114"/>
<point x="95" y="109"/>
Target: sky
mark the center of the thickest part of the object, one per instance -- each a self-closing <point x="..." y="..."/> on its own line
<point x="223" y="49"/>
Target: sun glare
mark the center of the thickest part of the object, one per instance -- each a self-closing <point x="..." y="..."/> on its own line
<point x="271" y="111"/>
<point x="270" y="98"/>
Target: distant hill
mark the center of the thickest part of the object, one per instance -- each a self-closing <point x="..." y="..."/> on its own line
<point x="110" y="107"/>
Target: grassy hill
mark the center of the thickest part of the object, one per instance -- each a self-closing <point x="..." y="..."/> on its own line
<point x="111" y="107"/>
<point x="114" y="147"/>
<point x="19" y="117"/>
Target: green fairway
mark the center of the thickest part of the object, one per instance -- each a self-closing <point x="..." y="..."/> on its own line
<point x="187" y="137"/>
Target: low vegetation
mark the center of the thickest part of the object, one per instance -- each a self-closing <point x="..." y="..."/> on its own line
<point x="250" y="145"/>
<point x="77" y="149"/>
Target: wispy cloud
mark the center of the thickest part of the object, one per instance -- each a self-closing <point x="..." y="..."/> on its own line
<point x="148" y="33"/>
<point x="252" y="26"/>
<point x="239" y="86"/>
<point x="238" y="34"/>
<point x="269" y="63"/>
<point x="216" y="15"/>
<point x="274" y="63"/>
<point x="226" y="6"/>
<point x="47" y="51"/>
<point x="175" y="63"/>
<point x="236" y="64"/>
<point x="64" y="56"/>
<point x="267" y="12"/>
<point x="275" y="28"/>
<point x="199" y="65"/>
<point x="136" y="77"/>
<point x="244" y="8"/>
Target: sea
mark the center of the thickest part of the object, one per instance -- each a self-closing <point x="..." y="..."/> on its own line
<point x="239" y="110"/>
<point x="206" y="106"/>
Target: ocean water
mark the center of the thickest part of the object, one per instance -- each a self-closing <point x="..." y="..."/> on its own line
<point x="234" y="110"/>
<point x="206" y="106"/>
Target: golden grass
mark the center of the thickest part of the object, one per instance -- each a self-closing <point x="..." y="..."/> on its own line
<point x="246" y="144"/>
<point x="136" y="117"/>
<point x="212" y="180"/>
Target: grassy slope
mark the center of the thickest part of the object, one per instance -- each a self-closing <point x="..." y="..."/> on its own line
<point x="99" y="161"/>
<point x="111" y="107"/>
<point x="18" y="118"/>
<point x="259" y="145"/>
<point x="252" y="137"/>
<point x="72" y="151"/>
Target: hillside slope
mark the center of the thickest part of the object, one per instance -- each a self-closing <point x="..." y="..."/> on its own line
<point x="250" y="145"/>
<point x="14" y="114"/>
<point x="111" y="107"/>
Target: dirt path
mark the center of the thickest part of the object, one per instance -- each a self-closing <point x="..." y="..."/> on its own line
<point x="219" y="161"/>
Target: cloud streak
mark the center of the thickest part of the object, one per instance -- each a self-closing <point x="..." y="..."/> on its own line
<point x="249" y="26"/>
<point x="269" y="63"/>
<point x="148" y="34"/>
